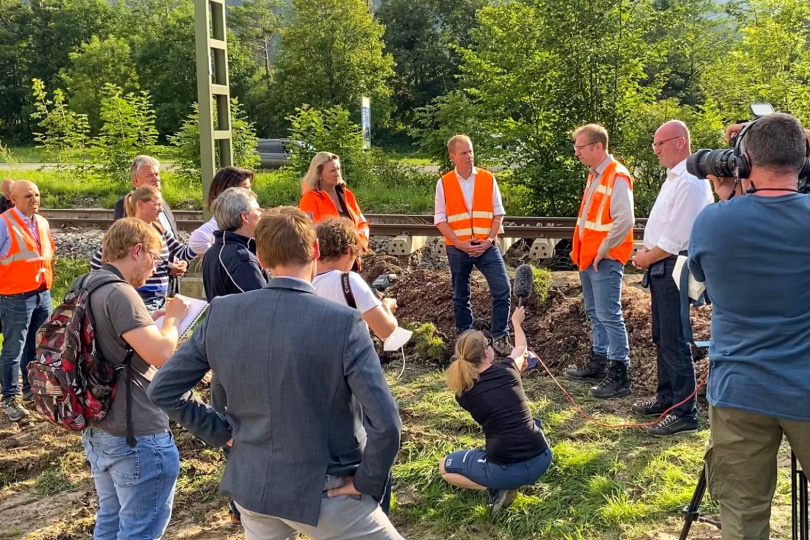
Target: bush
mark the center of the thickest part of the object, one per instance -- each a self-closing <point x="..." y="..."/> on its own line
<point x="541" y="282"/>
<point x="64" y="135"/>
<point x="428" y="345"/>
<point x="128" y="130"/>
<point x="327" y="130"/>
<point x="187" y="142"/>
<point x="65" y="270"/>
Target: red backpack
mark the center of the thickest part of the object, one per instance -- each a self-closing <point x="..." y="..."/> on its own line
<point x="72" y="383"/>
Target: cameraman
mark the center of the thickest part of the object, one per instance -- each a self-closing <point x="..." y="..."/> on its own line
<point x="753" y="253"/>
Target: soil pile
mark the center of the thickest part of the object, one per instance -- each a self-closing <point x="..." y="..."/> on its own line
<point x="557" y="329"/>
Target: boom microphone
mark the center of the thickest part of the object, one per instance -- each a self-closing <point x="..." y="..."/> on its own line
<point x="524" y="278"/>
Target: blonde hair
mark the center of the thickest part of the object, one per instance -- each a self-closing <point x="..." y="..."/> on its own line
<point x="312" y="180"/>
<point x="285" y="236"/>
<point x="596" y="134"/>
<point x="456" y="138"/>
<point x="470" y="352"/>
<point x="141" y="194"/>
<point x="125" y="234"/>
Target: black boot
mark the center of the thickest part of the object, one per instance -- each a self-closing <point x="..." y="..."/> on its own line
<point x="615" y="384"/>
<point x="594" y="371"/>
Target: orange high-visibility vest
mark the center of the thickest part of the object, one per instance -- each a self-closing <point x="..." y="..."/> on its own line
<point x="26" y="267"/>
<point x="597" y="223"/>
<point x="466" y="226"/>
<point x="320" y="206"/>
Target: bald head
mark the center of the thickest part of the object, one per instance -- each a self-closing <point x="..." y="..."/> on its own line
<point x="671" y="143"/>
<point x="25" y="196"/>
<point x="5" y="188"/>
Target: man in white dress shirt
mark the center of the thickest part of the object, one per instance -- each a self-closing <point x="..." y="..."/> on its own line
<point x="681" y="199"/>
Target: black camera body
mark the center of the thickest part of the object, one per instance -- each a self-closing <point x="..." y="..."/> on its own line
<point x="730" y="162"/>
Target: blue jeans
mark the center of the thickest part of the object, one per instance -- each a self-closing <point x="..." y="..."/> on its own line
<point x="491" y="265"/>
<point x="602" y="293"/>
<point x="473" y="464"/>
<point x="676" y="372"/>
<point x="22" y="315"/>
<point x="135" y="485"/>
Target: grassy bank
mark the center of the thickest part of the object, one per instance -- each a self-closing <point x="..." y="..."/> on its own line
<point x="66" y="189"/>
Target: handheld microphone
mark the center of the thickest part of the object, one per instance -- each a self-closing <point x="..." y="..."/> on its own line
<point x="524" y="278"/>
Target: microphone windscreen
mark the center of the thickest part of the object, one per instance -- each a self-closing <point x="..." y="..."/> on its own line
<point x="524" y="277"/>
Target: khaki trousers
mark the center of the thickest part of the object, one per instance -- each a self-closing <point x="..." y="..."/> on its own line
<point x="741" y="467"/>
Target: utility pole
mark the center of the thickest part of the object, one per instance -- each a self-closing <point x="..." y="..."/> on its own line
<point x="213" y="93"/>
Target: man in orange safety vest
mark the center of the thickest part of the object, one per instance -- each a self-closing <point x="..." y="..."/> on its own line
<point x="469" y="214"/>
<point x="602" y="244"/>
<point x="26" y="276"/>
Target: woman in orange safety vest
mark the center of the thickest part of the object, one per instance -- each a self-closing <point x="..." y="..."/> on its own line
<point x="324" y="194"/>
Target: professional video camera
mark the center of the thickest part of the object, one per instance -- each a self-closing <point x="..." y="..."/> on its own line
<point x="730" y="162"/>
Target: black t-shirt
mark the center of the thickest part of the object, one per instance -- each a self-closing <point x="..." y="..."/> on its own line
<point x="498" y="403"/>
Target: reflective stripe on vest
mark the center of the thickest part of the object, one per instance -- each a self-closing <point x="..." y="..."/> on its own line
<point x="25" y="266"/>
<point x="465" y="224"/>
<point x="595" y="230"/>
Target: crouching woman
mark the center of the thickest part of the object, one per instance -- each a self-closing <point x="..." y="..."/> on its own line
<point x="490" y="389"/>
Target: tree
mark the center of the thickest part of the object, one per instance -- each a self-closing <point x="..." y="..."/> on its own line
<point x="128" y="129"/>
<point x="770" y="63"/>
<point x="15" y="43"/>
<point x="64" y="135"/>
<point x="94" y="65"/>
<point x="331" y="54"/>
<point x="257" y="24"/>
<point x="424" y="38"/>
<point x="187" y="141"/>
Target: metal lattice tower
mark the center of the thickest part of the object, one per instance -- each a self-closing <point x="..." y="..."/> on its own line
<point x="213" y="93"/>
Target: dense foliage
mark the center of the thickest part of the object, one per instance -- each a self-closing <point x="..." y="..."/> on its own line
<point x="517" y="76"/>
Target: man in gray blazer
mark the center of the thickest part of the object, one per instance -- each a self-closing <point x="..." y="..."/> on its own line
<point x="313" y="426"/>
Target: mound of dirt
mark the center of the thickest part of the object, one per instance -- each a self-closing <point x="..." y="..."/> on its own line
<point x="557" y="329"/>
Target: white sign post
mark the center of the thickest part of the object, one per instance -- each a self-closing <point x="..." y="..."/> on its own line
<point x="365" y="120"/>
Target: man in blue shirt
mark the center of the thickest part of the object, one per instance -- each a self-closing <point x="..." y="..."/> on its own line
<point x="753" y="253"/>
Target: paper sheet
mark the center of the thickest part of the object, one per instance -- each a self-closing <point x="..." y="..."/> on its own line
<point x="195" y="310"/>
<point x="696" y="287"/>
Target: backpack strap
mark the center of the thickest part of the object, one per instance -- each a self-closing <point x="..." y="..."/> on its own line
<point x="98" y="281"/>
<point x="347" y="290"/>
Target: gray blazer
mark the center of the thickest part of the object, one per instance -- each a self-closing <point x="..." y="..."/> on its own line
<point x="306" y="397"/>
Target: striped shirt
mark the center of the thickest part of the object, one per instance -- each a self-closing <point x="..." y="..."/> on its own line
<point x="157" y="286"/>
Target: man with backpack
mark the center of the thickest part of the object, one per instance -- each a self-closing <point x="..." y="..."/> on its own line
<point x="135" y="481"/>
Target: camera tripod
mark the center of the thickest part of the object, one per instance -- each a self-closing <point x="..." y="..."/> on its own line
<point x="798" y="498"/>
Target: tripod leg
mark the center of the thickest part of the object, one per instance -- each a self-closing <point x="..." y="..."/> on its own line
<point x="692" y="512"/>
<point x="805" y="526"/>
<point x="798" y="500"/>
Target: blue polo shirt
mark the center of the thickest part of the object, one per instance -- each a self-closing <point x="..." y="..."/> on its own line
<point x="753" y="253"/>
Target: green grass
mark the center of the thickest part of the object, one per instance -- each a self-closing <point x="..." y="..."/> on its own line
<point x="23" y="154"/>
<point x="601" y="483"/>
<point x="66" y="189"/>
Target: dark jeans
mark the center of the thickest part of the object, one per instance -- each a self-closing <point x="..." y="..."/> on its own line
<point x="676" y="372"/>
<point x="22" y="316"/>
<point x="491" y="265"/>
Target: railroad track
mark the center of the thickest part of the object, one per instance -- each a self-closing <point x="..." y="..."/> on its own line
<point x="381" y="224"/>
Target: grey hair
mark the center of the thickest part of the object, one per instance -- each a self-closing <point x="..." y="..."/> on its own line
<point x="776" y="142"/>
<point x="139" y="162"/>
<point x="229" y="205"/>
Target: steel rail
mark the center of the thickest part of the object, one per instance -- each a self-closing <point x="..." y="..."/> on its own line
<point x="381" y="224"/>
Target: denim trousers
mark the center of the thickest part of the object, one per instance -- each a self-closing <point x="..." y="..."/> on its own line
<point x="135" y="485"/>
<point x="602" y="294"/>
<point x="22" y="315"/>
<point x="676" y="372"/>
<point x="491" y="265"/>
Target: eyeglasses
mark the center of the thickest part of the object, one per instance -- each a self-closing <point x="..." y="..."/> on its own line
<point x="580" y="146"/>
<point x="659" y="144"/>
<point x="156" y="257"/>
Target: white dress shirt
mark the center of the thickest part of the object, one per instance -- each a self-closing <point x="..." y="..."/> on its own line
<point x="681" y="199"/>
<point x="467" y="189"/>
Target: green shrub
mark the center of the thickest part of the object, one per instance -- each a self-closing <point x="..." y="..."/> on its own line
<point x="65" y="134"/>
<point x="541" y="282"/>
<point x="65" y="270"/>
<point x="325" y="130"/>
<point x="128" y="129"/>
<point x="427" y="344"/>
<point x="187" y="142"/>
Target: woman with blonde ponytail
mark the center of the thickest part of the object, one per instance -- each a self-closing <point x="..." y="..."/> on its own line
<point x="490" y="389"/>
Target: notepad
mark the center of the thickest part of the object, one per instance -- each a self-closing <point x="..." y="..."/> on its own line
<point x="196" y="309"/>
